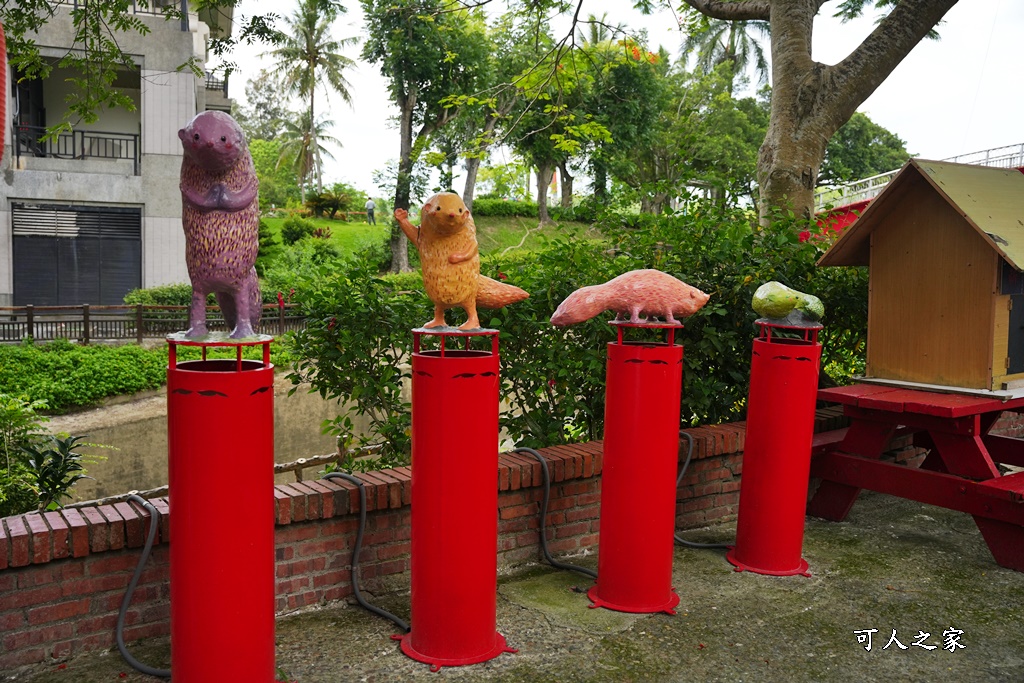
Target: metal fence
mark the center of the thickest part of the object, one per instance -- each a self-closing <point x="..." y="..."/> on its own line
<point x="76" y="144"/>
<point x="87" y="323"/>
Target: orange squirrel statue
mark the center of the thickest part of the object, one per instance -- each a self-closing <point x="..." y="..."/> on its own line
<point x="450" y="259"/>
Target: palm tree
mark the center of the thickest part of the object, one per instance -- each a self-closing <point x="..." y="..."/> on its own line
<point x="308" y="57"/>
<point x="598" y="30"/>
<point x="302" y="148"/>
<point x="729" y="41"/>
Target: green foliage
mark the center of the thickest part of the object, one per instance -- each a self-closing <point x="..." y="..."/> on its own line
<point x="357" y="340"/>
<point x="178" y="294"/>
<point x="503" y="207"/>
<point x="55" y="465"/>
<point x="20" y="427"/>
<point x="68" y="376"/>
<point x="278" y="182"/>
<point x="355" y="347"/>
<point x="295" y="228"/>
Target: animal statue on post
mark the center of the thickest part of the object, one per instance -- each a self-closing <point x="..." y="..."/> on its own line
<point x="634" y="294"/>
<point x="450" y="258"/>
<point x="220" y="215"/>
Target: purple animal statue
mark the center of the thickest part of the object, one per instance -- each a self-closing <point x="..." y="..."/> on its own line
<point x="636" y="293"/>
<point x="220" y="214"/>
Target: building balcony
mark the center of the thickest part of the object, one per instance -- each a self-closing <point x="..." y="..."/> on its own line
<point x="122" y="149"/>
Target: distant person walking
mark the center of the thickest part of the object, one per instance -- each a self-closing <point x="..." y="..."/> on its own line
<point x="370" y="206"/>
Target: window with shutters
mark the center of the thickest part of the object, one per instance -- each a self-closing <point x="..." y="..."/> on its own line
<point x="71" y="255"/>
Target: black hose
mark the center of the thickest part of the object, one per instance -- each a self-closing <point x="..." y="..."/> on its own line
<point x="355" y="553"/>
<point x="154" y="523"/>
<point x="679" y="480"/>
<point x="544" y="517"/>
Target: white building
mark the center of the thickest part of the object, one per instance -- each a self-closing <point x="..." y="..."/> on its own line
<point x="96" y="213"/>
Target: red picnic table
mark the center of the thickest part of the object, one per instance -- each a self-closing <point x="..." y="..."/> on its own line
<point x="959" y="472"/>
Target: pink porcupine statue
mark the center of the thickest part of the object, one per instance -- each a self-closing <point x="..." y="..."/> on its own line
<point x="220" y="214"/>
<point x="638" y="292"/>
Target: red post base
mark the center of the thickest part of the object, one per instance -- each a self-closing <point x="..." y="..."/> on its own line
<point x="638" y="492"/>
<point x="777" y="454"/>
<point x="220" y="424"/>
<point x="454" y="562"/>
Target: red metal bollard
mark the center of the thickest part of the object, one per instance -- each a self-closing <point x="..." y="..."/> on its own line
<point x="777" y="454"/>
<point x="454" y="562"/>
<point x="638" y="496"/>
<point x="220" y="429"/>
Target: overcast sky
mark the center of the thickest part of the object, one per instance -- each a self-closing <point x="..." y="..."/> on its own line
<point x="958" y="95"/>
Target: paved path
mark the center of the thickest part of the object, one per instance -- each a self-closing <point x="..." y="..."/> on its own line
<point x="892" y="565"/>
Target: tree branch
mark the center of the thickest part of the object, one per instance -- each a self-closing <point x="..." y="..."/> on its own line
<point x="733" y="10"/>
<point x="854" y="79"/>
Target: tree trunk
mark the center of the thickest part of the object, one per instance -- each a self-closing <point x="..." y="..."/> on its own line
<point x="810" y="100"/>
<point x="600" y="181"/>
<point x="566" y="185"/>
<point x="472" y="169"/>
<point x="544" y="172"/>
<point x="399" y="242"/>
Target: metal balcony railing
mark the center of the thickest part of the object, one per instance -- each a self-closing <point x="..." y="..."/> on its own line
<point x="151" y="7"/>
<point x="78" y="144"/>
<point x="1010" y="156"/>
<point x="217" y="84"/>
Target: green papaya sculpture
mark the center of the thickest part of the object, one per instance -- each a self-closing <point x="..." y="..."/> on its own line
<point x="781" y="304"/>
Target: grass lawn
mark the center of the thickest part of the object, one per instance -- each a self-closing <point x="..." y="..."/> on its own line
<point x="495" y="234"/>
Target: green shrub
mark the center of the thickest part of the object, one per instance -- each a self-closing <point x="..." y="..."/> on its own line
<point x="68" y="376"/>
<point x="295" y="228"/>
<point x="503" y="207"/>
<point x="21" y="426"/>
<point x="179" y="294"/>
<point x="358" y="332"/>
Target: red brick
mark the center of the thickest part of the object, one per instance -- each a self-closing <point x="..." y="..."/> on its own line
<point x="563" y="545"/>
<point x="297" y="568"/>
<point x="503" y="478"/>
<point x="111" y="563"/>
<point x="117" y="535"/>
<point x="39" y="534"/>
<point x="18" y="534"/>
<point x="405" y="474"/>
<point x="589" y="540"/>
<point x="314" y="505"/>
<point x="11" y="620"/>
<point x="296" y="532"/>
<point x="517" y="511"/>
<point x="580" y="513"/>
<point x="339" y="497"/>
<point x="95" y="585"/>
<point x="394" y="550"/>
<point x="99" y="532"/>
<point x="331" y="578"/>
<point x="697" y="504"/>
<point x="58" y="612"/>
<point x="90" y="625"/>
<point x="5" y="547"/>
<point x="135" y="525"/>
<point x="376" y="491"/>
<point x="325" y="496"/>
<point x="588" y="498"/>
<point x="59" y="533"/>
<point x="282" y="506"/>
<point x="17" y="599"/>
<point x="576" y="529"/>
<point x="525" y="463"/>
<point x="394" y="484"/>
<point x="716" y="473"/>
<point x="20" y="658"/>
<point x="164" y="509"/>
<point x="298" y="501"/>
<point x="141" y="631"/>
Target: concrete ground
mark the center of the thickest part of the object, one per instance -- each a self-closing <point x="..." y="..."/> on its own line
<point x="892" y="565"/>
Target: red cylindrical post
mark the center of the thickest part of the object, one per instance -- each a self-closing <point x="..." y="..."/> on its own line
<point x="777" y="452"/>
<point x="454" y="503"/>
<point x="638" y="480"/>
<point x="220" y="429"/>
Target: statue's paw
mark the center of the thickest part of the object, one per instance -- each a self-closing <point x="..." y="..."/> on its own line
<point x="241" y="331"/>
<point x="196" y="331"/>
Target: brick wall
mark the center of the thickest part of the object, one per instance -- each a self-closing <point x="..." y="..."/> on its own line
<point x="63" y="574"/>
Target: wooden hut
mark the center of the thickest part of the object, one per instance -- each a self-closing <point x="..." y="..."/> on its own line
<point x="944" y="244"/>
